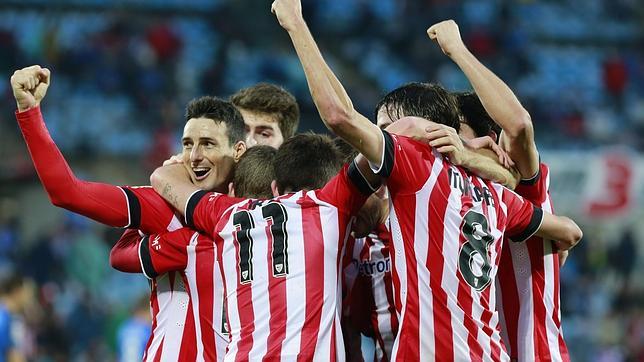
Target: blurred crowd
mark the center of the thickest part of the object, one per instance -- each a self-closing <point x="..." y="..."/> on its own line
<point x="122" y="72"/>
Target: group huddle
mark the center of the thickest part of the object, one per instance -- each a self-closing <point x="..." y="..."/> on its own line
<point x="400" y="240"/>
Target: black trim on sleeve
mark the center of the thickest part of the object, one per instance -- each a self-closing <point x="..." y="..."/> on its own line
<point x="134" y="207"/>
<point x="358" y="180"/>
<point x="388" y="156"/>
<point x="146" y="259"/>
<point x="532" y="180"/>
<point x="192" y="204"/>
<point x="533" y="226"/>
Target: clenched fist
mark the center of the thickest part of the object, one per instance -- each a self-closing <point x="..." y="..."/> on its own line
<point x="29" y="86"/>
<point x="446" y="34"/>
<point x="288" y="13"/>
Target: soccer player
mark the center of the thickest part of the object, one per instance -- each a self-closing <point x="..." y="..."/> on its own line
<point x="447" y="224"/>
<point x="213" y="143"/>
<point x="271" y="114"/>
<point x="528" y="278"/>
<point x="280" y="257"/>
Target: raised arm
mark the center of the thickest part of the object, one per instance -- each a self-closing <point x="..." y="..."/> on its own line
<point x="497" y="98"/>
<point x="329" y="96"/>
<point x="104" y="203"/>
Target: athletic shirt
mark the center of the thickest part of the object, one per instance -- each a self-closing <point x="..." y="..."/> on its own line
<point x="447" y="228"/>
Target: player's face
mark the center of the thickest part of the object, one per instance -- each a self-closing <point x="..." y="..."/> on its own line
<point x="208" y="153"/>
<point x="383" y="119"/>
<point x="262" y="129"/>
<point x="373" y="213"/>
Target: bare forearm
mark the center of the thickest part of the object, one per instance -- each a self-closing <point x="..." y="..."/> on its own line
<point x="330" y="98"/>
<point x="497" y="98"/>
<point x="172" y="184"/>
<point x="488" y="167"/>
<point x="503" y="106"/>
<point x="328" y="94"/>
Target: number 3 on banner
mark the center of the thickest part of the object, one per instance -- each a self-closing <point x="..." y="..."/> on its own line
<point x="275" y="215"/>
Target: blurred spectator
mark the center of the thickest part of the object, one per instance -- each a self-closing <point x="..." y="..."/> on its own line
<point x="133" y="334"/>
<point x="16" y="340"/>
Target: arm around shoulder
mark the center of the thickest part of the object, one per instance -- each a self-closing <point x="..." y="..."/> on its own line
<point x="563" y="230"/>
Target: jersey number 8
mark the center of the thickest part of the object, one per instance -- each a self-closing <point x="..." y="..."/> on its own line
<point x="473" y="260"/>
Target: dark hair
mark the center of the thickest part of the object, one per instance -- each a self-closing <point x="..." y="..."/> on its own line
<point x="347" y="151"/>
<point x="475" y="114"/>
<point x="273" y="100"/>
<point x="427" y="100"/>
<point x="254" y="173"/>
<point x="220" y="111"/>
<point x="306" y="162"/>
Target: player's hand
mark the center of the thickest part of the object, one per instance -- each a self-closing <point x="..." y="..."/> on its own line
<point x="174" y="159"/>
<point x="487" y="142"/>
<point x="446" y="141"/>
<point x="29" y="86"/>
<point x="288" y="13"/>
<point x="447" y="35"/>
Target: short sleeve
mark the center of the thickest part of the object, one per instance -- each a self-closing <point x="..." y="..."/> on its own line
<point x="523" y="218"/>
<point x="348" y="190"/>
<point x="535" y="189"/>
<point x="204" y="209"/>
<point x="148" y="211"/>
<point x="165" y="252"/>
<point x="406" y="164"/>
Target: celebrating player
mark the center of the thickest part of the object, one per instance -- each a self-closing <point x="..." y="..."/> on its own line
<point x="446" y="224"/>
<point x="271" y="114"/>
<point x="528" y="292"/>
<point x="213" y="142"/>
<point x="279" y="257"/>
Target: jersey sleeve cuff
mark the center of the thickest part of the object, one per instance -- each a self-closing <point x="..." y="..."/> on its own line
<point x="28" y="114"/>
<point x="532" y="180"/>
<point x="191" y="205"/>
<point x="358" y="179"/>
<point x="387" y="157"/>
<point x="133" y="209"/>
<point x="533" y="226"/>
<point x="146" y="259"/>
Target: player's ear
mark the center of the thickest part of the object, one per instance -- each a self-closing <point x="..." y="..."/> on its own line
<point x="238" y="150"/>
<point x="274" y="189"/>
<point x="231" y="190"/>
<point x="493" y="136"/>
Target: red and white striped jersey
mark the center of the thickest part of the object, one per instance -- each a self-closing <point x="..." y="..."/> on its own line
<point x="280" y="261"/>
<point x="528" y="288"/>
<point x="181" y="331"/>
<point x="368" y="305"/>
<point x="447" y="227"/>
